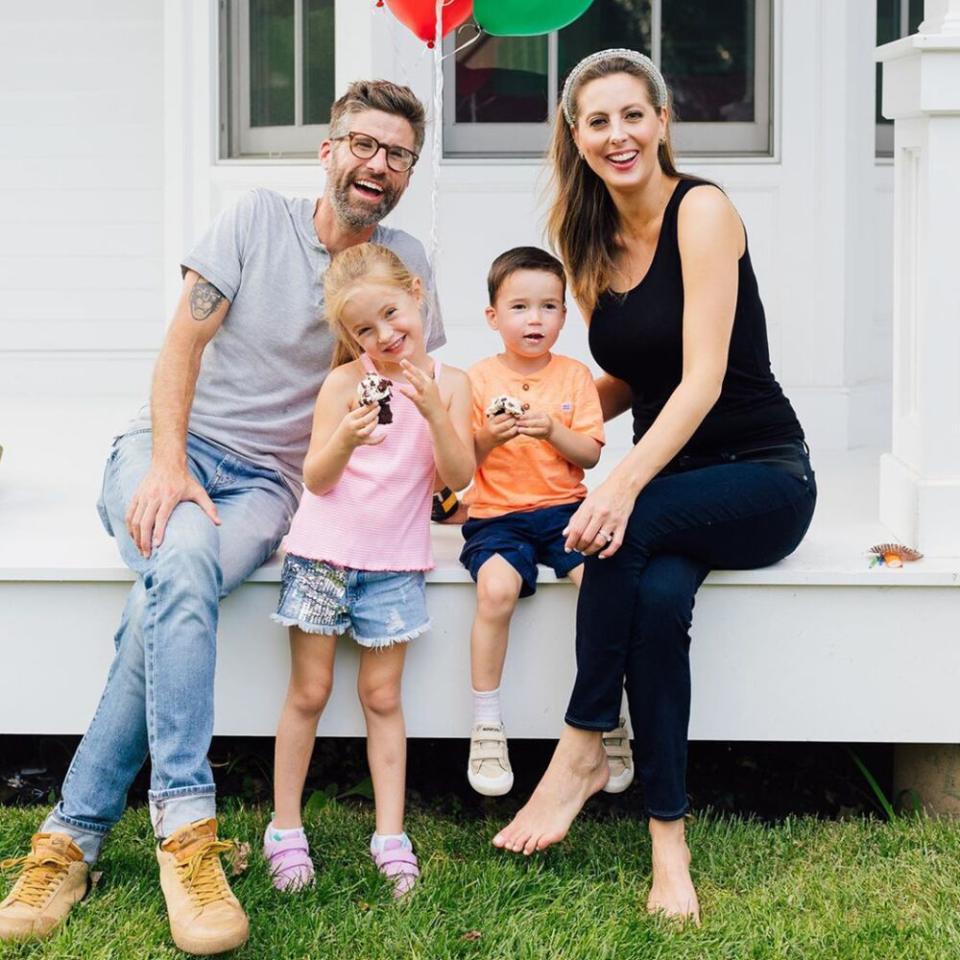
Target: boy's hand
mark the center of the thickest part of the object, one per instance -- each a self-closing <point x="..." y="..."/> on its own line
<point x="423" y="391"/>
<point x="539" y="425"/>
<point x="356" y="428"/>
<point x="502" y="428"/>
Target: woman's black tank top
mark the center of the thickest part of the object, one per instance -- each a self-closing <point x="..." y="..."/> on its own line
<point x="638" y="337"/>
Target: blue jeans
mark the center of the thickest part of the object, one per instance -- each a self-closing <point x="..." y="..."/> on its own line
<point x="635" y="608"/>
<point x="158" y="699"/>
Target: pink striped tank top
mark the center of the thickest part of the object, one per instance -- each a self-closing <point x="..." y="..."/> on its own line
<point x="378" y="516"/>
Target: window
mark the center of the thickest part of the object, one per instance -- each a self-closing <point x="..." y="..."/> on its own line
<point x="715" y="55"/>
<point x="277" y="76"/>
<point x="895" y="19"/>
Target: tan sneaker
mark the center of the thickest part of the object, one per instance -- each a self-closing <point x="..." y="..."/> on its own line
<point x="53" y="877"/>
<point x="616" y="745"/>
<point x="205" y="916"/>
<point x="488" y="769"/>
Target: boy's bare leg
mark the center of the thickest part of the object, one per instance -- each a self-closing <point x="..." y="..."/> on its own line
<point x="498" y="589"/>
<point x="378" y="684"/>
<point x="311" y="679"/>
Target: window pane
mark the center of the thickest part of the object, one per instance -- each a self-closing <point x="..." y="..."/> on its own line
<point x="502" y="80"/>
<point x="707" y="57"/>
<point x="271" y="63"/>
<point x="607" y="23"/>
<point x="318" y="62"/>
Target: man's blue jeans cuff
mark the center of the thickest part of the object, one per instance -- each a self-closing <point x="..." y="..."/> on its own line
<point x="172" y="809"/>
<point x="88" y="837"/>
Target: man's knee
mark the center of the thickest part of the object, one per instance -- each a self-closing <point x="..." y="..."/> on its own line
<point x="190" y="551"/>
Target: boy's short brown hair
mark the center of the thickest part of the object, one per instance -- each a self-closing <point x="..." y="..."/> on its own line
<point x="379" y="95"/>
<point x="522" y="258"/>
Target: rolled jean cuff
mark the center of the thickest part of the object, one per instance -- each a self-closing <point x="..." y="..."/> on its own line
<point x="668" y="817"/>
<point x="88" y="837"/>
<point x="593" y="726"/>
<point x="172" y="809"/>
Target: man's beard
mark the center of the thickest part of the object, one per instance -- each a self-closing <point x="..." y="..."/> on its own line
<point x="351" y="211"/>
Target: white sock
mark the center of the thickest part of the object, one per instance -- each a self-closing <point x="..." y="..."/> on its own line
<point x="486" y="706"/>
<point x="379" y="840"/>
<point x="277" y="834"/>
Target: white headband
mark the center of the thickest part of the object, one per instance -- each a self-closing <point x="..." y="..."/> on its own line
<point x="615" y="53"/>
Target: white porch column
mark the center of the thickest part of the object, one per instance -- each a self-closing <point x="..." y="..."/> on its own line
<point x="920" y="479"/>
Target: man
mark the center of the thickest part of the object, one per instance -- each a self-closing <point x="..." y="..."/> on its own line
<point x="198" y="493"/>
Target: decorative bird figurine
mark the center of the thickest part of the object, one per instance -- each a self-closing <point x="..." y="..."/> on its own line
<point x="893" y="554"/>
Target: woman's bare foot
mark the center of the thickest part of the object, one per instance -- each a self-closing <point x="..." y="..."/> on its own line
<point x="578" y="770"/>
<point x="672" y="893"/>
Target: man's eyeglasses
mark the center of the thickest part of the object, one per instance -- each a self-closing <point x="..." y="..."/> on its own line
<point x="365" y="147"/>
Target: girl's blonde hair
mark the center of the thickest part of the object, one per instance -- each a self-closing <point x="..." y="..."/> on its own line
<point x="350" y="269"/>
<point x="583" y="224"/>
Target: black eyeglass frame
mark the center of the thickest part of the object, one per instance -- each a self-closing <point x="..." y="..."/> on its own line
<point x="386" y="147"/>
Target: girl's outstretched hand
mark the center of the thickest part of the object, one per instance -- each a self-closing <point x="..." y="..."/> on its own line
<point x="423" y="391"/>
<point x="356" y="428"/>
<point x="600" y="522"/>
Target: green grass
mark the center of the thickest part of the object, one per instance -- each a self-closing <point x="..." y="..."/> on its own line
<point x="803" y="889"/>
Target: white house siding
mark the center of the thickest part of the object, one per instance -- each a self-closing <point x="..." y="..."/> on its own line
<point x="819" y="213"/>
<point x="81" y="201"/>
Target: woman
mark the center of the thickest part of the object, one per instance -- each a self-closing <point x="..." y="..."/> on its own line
<point x="719" y="475"/>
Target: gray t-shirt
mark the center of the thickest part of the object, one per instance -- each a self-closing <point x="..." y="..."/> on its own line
<point x="261" y="372"/>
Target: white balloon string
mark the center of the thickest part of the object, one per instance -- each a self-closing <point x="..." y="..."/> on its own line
<point x="437" y="139"/>
<point x="470" y="42"/>
<point x="398" y="56"/>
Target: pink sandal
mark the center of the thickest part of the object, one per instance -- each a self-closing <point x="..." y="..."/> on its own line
<point x="399" y="865"/>
<point x="288" y="858"/>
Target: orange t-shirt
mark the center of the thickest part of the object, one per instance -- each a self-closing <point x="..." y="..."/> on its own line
<point x="527" y="473"/>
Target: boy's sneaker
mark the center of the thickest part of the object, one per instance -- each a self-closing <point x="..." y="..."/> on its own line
<point x="288" y="856"/>
<point x="398" y="863"/>
<point x="53" y="877"/>
<point x="205" y="916"/>
<point x="616" y="744"/>
<point x="488" y="769"/>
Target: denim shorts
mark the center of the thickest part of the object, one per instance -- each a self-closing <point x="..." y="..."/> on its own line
<point x="378" y="607"/>
<point x="523" y="539"/>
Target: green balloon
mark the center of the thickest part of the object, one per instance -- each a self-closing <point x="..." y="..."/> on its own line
<point x="526" y="18"/>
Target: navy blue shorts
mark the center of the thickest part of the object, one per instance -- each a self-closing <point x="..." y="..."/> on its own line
<point x="523" y="540"/>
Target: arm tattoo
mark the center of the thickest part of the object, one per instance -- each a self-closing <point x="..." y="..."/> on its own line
<point x="204" y="299"/>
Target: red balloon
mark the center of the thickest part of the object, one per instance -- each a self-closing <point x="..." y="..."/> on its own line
<point x="420" y="16"/>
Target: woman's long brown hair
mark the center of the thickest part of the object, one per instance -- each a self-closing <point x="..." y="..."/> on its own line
<point x="583" y="225"/>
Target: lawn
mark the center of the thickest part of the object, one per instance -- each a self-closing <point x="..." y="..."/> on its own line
<point x="803" y="888"/>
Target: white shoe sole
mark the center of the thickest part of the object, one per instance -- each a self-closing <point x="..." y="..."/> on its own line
<point x="619" y="783"/>
<point x="491" y="787"/>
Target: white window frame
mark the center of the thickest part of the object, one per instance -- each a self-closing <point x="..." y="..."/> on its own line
<point x="466" y="140"/>
<point x="238" y="139"/>
<point x="884" y="131"/>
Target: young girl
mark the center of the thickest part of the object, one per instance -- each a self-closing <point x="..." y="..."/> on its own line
<point x="360" y="542"/>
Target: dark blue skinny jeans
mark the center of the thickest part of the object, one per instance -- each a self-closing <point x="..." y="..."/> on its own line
<point x="635" y="608"/>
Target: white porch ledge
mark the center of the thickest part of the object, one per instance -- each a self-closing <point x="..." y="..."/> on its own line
<point x="818" y="647"/>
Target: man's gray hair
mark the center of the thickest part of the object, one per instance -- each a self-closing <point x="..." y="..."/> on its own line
<point x="380" y="95"/>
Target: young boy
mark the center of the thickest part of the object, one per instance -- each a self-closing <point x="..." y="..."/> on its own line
<point x="537" y="426"/>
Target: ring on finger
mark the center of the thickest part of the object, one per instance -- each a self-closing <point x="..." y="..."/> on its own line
<point x="607" y="537"/>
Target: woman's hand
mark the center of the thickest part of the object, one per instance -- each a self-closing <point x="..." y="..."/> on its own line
<point x="599" y="525"/>
<point x="356" y="428"/>
<point x="423" y="391"/>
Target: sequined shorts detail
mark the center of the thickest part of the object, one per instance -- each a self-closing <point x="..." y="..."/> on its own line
<point x="378" y="608"/>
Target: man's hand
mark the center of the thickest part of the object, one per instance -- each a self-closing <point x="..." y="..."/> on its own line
<point x="156" y="498"/>
<point x="538" y="425"/>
